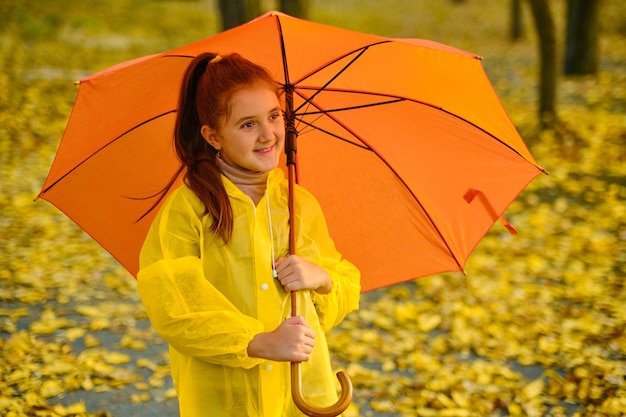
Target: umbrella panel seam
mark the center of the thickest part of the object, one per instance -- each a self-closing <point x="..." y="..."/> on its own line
<point x="101" y="148"/>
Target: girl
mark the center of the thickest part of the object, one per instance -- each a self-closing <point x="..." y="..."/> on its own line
<point x="215" y="272"/>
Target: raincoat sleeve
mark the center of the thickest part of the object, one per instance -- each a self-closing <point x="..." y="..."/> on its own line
<point x="316" y="245"/>
<point x="184" y="308"/>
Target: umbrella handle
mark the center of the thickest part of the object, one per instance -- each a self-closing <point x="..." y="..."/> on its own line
<point x="296" y="367"/>
<point x="331" y="411"/>
<point x="296" y="385"/>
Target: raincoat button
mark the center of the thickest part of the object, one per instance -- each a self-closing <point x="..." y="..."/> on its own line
<point x="264" y="287"/>
<point x="268" y="368"/>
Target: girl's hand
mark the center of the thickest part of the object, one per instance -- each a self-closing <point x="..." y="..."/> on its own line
<point x="295" y="273"/>
<point x="292" y="341"/>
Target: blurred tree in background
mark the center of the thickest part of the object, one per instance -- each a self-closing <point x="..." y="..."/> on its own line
<point x="517" y="25"/>
<point x="297" y="8"/>
<point x="236" y="12"/>
<point x="544" y="24"/>
<point x="581" y="47"/>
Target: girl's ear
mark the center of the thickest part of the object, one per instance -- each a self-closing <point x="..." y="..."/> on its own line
<point x="210" y="136"/>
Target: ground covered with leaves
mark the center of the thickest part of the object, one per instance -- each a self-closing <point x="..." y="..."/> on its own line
<point x="536" y="327"/>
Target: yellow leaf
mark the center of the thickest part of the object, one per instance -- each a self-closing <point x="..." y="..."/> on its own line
<point x="170" y="393"/>
<point x="91" y="341"/>
<point x="116" y="358"/>
<point x="147" y="363"/>
<point x="89" y="311"/>
<point x="142" y="386"/>
<point x="426" y="412"/>
<point x="100" y="323"/>
<point x="156" y="381"/>
<point x="87" y="384"/>
<point x="515" y="410"/>
<point x="382" y="405"/>
<point x="51" y="388"/>
<point x="17" y="375"/>
<point x="352" y="411"/>
<point x="445" y="401"/>
<point x="614" y="406"/>
<point x="548" y="345"/>
<point x="48" y="323"/>
<point x="533" y="389"/>
<point x="57" y="367"/>
<point x="74" y="409"/>
<point x="140" y="398"/>
<point x="454" y="412"/>
<point x="461" y="398"/>
<point x="74" y="333"/>
<point x="130" y="342"/>
<point x="405" y="312"/>
<point x="428" y="322"/>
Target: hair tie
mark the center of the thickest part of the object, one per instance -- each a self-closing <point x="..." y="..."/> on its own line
<point x="216" y="58"/>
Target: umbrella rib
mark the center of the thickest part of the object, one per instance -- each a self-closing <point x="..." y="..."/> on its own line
<point x="417" y="200"/>
<point x="362" y="106"/>
<point x="283" y="52"/>
<point x="369" y="148"/>
<point x="311" y="125"/>
<point x="288" y="84"/>
<point x="103" y="147"/>
<point x="360" y="50"/>
<point x="333" y="78"/>
<point x="396" y="99"/>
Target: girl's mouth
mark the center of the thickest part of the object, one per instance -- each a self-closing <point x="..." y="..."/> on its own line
<point x="265" y="150"/>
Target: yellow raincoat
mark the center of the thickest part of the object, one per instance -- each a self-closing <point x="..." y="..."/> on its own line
<point x="208" y="300"/>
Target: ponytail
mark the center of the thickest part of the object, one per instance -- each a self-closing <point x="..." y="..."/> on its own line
<point x="201" y="173"/>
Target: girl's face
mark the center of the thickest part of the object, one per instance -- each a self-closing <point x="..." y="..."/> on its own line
<point x="253" y="135"/>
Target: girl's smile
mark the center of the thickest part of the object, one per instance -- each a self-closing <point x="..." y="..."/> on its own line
<point x="253" y="134"/>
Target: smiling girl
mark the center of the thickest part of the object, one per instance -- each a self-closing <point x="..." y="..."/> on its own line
<point x="215" y="272"/>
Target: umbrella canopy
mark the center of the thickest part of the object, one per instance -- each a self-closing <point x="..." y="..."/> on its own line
<point x="396" y="139"/>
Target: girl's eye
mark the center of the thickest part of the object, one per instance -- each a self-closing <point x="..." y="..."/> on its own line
<point x="275" y="116"/>
<point x="247" y="125"/>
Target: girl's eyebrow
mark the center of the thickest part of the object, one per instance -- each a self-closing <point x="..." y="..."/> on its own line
<point x="244" y="118"/>
<point x="275" y="109"/>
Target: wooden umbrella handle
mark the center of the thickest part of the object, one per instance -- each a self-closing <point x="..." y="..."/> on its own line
<point x="296" y="384"/>
<point x="331" y="411"/>
<point x="296" y="369"/>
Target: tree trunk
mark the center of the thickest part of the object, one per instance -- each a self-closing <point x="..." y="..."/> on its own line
<point x="296" y="8"/>
<point x="517" y="26"/>
<point x="236" y="12"/>
<point x="581" y="48"/>
<point x="546" y="32"/>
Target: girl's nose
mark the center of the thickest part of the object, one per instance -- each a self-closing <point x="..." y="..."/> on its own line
<point x="267" y="132"/>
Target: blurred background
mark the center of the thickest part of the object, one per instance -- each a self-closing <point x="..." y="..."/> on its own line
<point x="535" y="327"/>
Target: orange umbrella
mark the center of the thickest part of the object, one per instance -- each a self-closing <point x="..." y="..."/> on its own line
<point x="403" y="141"/>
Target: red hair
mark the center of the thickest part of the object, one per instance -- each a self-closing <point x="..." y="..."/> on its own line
<point x="207" y="86"/>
